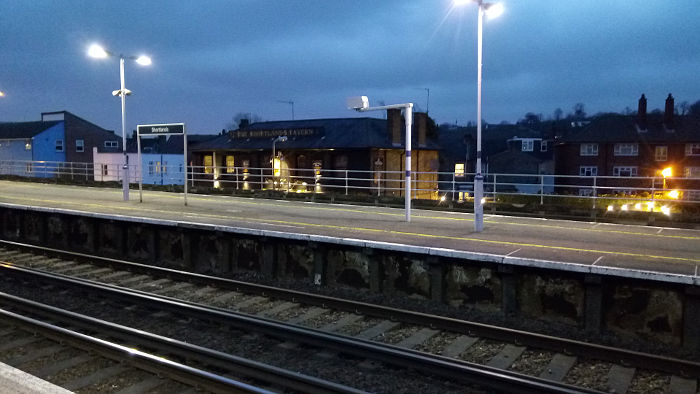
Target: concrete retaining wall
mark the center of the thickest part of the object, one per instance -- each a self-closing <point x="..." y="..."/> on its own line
<point x="661" y="311"/>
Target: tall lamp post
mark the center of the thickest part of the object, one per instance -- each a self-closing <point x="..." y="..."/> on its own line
<point x="361" y="104"/>
<point x="492" y="10"/>
<point x="99" y="52"/>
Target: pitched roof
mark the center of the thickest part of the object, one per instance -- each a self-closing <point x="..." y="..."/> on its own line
<point x="18" y="130"/>
<point x="624" y="128"/>
<point x="342" y="133"/>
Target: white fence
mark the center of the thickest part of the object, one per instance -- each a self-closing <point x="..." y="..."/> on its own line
<point x="630" y="192"/>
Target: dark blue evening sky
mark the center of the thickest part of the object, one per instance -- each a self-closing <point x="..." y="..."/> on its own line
<point x="214" y="59"/>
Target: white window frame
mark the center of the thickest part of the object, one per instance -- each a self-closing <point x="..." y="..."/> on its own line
<point x="528" y="145"/>
<point x="692" y="149"/>
<point x="60" y="147"/>
<point x="633" y="171"/>
<point x="80" y="146"/>
<point x="111" y="144"/>
<point x="588" y="171"/>
<point x="626" y="149"/>
<point x="691" y="172"/>
<point x="661" y="153"/>
<point x="589" y="149"/>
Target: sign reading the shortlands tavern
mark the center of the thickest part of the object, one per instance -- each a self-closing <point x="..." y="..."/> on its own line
<point x="161" y="129"/>
<point x="303" y="132"/>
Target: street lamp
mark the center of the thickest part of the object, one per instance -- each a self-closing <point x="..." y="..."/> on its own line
<point x="281" y="138"/>
<point x="361" y="104"/>
<point x="491" y="10"/>
<point x="2" y="94"/>
<point x="99" y="52"/>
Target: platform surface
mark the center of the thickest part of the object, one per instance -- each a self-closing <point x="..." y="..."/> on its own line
<point x="667" y="253"/>
<point x="14" y="381"/>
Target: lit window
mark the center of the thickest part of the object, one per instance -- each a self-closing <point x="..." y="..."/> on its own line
<point x="588" y="171"/>
<point x="59" y="145"/>
<point x="692" y="149"/>
<point x="208" y="164"/>
<point x="626" y="149"/>
<point x="230" y="167"/>
<point x="691" y="172"/>
<point x="625" y="171"/>
<point x="459" y="169"/>
<point x="28" y="146"/>
<point x="661" y="153"/>
<point x="528" y="145"/>
<point x="164" y="167"/>
<point x="80" y="145"/>
<point x="589" y="149"/>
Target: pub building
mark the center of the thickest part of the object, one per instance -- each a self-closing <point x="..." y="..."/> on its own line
<point x="348" y="155"/>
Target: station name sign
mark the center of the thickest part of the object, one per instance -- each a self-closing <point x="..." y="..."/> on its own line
<point x="161" y="129"/>
<point x="303" y="132"/>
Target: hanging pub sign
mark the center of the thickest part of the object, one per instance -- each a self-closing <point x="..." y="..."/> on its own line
<point x="271" y="133"/>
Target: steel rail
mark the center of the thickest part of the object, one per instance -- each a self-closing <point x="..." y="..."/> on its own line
<point x="564" y="345"/>
<point x="455" y="370"/>
<point x="137" y="358"/>
<point x="239" y="365"/>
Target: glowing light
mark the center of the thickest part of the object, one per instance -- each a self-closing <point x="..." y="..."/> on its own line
<point x="276" y="166"/>
<point x="143" y="60"/>
<point x="610" y="208"/>
<point x="674" y="194"/>
<point x="494" y="10"/>
<point x="97" y="51"/>
<point x="217" y="184"/>
<point x="624" y="207"/>
<point x="443" y="198"/>
<point x="650" y="206"/>
<point x="2" y="94"/>
<point x="638" y="206"/>
<point x="666" y="210"/>
<point x="246" y="186"/>
<point x="483" y="200"/>
<point x="667" y="172"/>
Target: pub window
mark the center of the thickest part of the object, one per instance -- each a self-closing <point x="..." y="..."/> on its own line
<point x="625" y="171"/>
<point x="692" y="149"/>
<point x="459" y="169"/>
<point x="151" y="170"/>
<point x="626" y="149"/>
<point x="340" y="162"/>
<point x="588" y="171"/>
<point x="59" y="145"/>
<point x="230" y="164"/>
<point x="589" y="149"/>
<point x="80" y="145"/>
<point x="208" y="164"/>
<point x="111" y="144"/>
<point x="105" y="169"/>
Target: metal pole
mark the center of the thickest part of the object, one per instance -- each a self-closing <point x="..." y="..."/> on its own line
<point x="184" y="154"/>
<point x="139" y="168"/>
<point x="122" y="94"/>
<point x="479" y="178"/>
<point x="273" y="164"/>
<point x="409" y="120"/>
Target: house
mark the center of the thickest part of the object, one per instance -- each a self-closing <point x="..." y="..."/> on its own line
<point x="319" y="155"/>
<point x="162" y="160"/>
<point x="59" y="144"/>
<point x="641" y="145"/>
<point x="506" y="149"/>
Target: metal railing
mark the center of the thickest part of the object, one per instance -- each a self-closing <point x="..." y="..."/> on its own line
<point x="596" y="192"/>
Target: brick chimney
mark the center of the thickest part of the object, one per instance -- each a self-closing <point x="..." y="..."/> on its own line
<point x="668" y="112"/>
<point x="243" y="123"/>
<point x="642" y="113"/>
<point x="394" y="125"/>
<point x="420" y="122"/>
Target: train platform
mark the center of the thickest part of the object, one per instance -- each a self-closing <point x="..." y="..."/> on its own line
<point x="15" y="381"/>
<point x="638" y="251"/>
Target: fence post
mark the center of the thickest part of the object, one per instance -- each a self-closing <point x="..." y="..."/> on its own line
<point x="346" y="182"/>
<point x="379" y="184"/>
<point x="494" y="187"/>
<point x="541" y="189"/>
<point x="595" y="193"/>
<point x="453" y="186"/>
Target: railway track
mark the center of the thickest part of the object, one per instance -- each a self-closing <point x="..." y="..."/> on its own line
<point x="567" y="364"/>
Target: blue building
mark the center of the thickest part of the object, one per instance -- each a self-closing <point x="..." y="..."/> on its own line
<point x="59" y="143"/>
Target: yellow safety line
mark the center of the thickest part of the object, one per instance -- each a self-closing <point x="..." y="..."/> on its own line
<point x="363" y="229"/>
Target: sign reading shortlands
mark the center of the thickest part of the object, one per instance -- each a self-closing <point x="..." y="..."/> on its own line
<point x="161" y="129"/>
